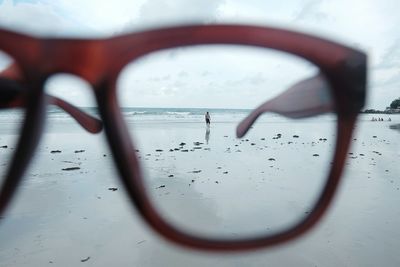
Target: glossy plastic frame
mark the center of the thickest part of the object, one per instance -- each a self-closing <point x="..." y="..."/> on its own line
<point x="99" y="62"/>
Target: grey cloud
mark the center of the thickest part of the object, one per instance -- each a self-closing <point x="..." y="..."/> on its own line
<point x="37" y="18"/>
<point x="392" y="80"/>
<point x="391" y="57"/>
<point x="183" y="74"/>
<point x="205" y="73"/>
<point x="158" y="13"/>
<point x="256" y="79"/>
<point x="310" y="11"/>
<point x="178" y="84"/>
<point x="155" y="11"/>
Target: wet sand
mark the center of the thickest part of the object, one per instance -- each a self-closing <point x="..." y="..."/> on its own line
<point x="71" y="209"/>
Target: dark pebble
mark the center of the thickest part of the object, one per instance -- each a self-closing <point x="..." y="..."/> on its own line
<point x="315" y="155"/>
<point x="159" y="150"/>
<point x="55" y="151"/>
<point x="71" y="169"/>
<point x="161" y="186"/>
<point x="295" y="136"/>
<point x="271" y="159"/>
<point x="3" y="146"/>
<point x="171" y="175"/>
<point x="79" y="151"/>
<point x="112" y="188"/>
<point x="84" y="260"/>
<point x="182" y="144"/>
<point x="184" y="150"/>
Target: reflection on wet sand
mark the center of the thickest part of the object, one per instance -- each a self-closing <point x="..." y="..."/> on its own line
<point x="207" y="137"/>
<point x="395" y="127"/>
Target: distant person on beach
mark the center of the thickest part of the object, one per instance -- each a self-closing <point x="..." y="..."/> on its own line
<point x="207" y="116"/>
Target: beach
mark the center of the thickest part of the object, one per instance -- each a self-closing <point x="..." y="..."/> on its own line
<point x="71" y="209"/>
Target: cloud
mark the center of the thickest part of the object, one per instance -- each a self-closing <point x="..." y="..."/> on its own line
<point x="369" y="25"/>
<point x="35" y="18"/>
<point x="390" y="58"/>
<point x="310" y="11"/>
<point x="161" y="13"/>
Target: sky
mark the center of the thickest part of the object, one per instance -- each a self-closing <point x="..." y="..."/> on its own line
<point x="368" y="25"/>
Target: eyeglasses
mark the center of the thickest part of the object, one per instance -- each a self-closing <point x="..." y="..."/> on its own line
<point x="264" y="186"/>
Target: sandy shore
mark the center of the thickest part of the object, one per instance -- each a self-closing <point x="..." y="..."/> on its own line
<point x="71" y="209"/>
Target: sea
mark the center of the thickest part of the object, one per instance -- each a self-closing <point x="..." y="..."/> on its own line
<point x="176" y="115"/>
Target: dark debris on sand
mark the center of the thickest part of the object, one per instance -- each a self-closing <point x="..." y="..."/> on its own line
<point x="86" y="259"/>
<point x="71" y="169"/>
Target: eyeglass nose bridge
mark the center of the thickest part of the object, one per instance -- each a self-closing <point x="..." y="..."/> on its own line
<point x="84" y="58"/>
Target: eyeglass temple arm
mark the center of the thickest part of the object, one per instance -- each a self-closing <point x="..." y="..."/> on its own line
<point x="87" y="121"/>
<point x="11" y="95"/>
<point x="306" y="98"/>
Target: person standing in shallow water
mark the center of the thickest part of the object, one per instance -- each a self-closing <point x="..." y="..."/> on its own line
<point x="207" y="116"/>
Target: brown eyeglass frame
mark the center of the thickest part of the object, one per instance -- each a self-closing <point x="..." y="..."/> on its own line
<point x="99" y="61"/>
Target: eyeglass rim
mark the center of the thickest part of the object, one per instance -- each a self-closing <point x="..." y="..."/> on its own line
<point x="344" y="68"/>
